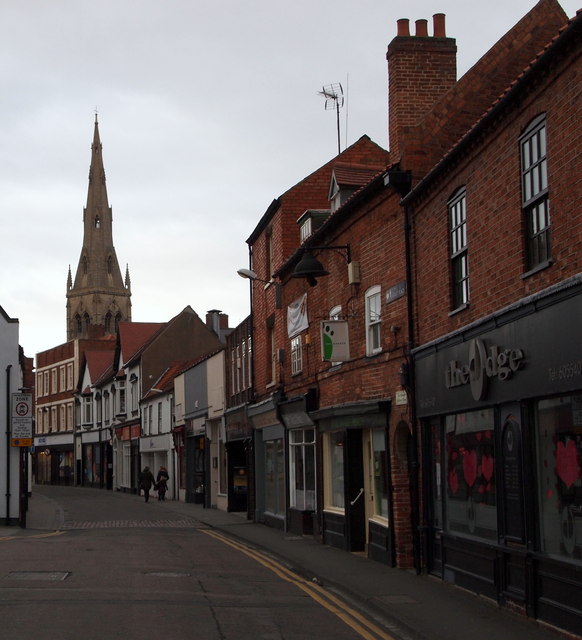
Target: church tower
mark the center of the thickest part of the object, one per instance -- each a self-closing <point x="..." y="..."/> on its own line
<point x="99" y="298"/>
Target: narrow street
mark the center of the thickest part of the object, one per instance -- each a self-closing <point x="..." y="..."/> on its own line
<point x="121" y="568"/>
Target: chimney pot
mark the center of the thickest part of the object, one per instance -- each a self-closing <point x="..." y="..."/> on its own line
<point x="422" y="28"/>
<point x="438" y="21"/>
<point x="403" y="29"/>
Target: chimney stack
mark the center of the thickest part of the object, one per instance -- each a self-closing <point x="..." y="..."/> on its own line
<point x="421" y="69"/>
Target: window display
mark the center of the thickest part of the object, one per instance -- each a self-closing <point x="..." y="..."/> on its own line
<point x="470" y="474"/>
<point x="302" y="462"/>
<point x="559" y="445"/>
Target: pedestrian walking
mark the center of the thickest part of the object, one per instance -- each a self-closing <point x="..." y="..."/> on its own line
<point x="162" y="482"/>
<point x="146" y="480"/>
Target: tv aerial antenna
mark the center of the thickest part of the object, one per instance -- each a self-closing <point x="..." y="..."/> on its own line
<point x="334" y="99"/>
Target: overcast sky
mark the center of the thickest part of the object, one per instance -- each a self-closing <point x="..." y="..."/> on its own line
<point x="207" y="112"/>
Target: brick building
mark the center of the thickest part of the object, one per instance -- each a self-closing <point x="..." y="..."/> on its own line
<point x="497" y="291"/>
<point x="422" y="283"/>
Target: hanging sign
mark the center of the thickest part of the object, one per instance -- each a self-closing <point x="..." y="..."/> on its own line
<point x="335" y="341"/>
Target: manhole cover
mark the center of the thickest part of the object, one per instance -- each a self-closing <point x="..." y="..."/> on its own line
<point x="168" y="574"/>
<point x="38" y="575"/>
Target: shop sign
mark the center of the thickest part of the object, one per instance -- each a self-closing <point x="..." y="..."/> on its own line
<point x="484" y="364"/>
<point x="335" y="341"/>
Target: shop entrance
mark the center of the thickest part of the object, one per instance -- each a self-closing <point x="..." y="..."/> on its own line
<point x="237" y="476"/>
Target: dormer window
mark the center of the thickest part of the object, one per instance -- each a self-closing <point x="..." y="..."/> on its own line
<point x="346" y="179"/>
<point x="310" y="222"/>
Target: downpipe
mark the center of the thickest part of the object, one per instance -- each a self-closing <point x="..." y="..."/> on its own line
<point x="8" y="419"/>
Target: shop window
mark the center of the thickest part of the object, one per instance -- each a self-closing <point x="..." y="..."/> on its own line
<point x="559" y="449"/>
<point x="302" y="469"/>
<point x="458" y="247"/>
<point x="334" y="487"/>
<point x="275" y="477"/>
<point x="470" y="474"/>
<point x="534" y="193"/>
<point x="380" y="473"/>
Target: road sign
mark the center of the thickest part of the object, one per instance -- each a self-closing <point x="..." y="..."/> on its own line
<point x="21" y="417"/>
<point x="22" y="442"/>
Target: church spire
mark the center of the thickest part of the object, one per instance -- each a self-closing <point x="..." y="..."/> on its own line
<point x="98" y="298"/>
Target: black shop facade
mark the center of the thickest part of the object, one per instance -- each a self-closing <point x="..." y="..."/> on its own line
<point x="500" y="408"/>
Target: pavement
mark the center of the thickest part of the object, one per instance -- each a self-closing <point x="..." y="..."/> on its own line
<point x="409" y="606"/>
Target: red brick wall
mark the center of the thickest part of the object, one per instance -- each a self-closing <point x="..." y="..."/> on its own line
<point x="491" y="175"/>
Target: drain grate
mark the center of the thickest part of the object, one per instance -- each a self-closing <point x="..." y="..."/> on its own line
<point x="38" y="575"/>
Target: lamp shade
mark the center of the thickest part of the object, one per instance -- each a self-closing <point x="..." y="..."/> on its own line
<point x="309" y="268"/>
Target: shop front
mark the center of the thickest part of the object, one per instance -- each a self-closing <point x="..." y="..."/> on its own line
<point x="54" y="460"/>
<point x="197" y="463"/>
<point x="237" y="460"/>
<point x="356" y="505"/>
<point x="270" y="489"/>
<point x="96" y="459"/>
<point x="157" y="451"/>
<point x="126" y="456"/>
<point x="501" y="410"/>
<point x="302" y="477"/>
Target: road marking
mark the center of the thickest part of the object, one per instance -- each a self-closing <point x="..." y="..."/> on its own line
<point x="38" y="535"/>
<point x="335" y="605"/>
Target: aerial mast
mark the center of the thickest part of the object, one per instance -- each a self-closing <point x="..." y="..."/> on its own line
<point x="334" y="99"/>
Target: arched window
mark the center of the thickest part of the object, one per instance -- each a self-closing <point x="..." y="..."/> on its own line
<point x="86" y="322"/>
<point x="97" y="222"/>
<point x="109" y="264"/>
<point x="118" y="319"/>
<point x="78" y="325"/>
<point x="108" y="322"/>
<point x="85" y="264"/>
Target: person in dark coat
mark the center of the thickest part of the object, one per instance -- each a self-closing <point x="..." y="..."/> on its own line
<point x="162" y="482"/>
<point x="146" y="480"/>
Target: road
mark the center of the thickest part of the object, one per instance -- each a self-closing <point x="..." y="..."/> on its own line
<point x="121" y="568"/>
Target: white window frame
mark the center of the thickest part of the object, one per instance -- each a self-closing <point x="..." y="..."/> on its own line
<point x="373" y="306"/>
<point x="70" y="375"/>
<point x="296" y="355"/>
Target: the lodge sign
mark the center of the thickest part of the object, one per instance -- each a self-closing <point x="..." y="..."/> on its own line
<point x="485" y="363"/>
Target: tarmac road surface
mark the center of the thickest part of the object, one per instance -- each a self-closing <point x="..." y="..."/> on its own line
<point x="101" y="564"/>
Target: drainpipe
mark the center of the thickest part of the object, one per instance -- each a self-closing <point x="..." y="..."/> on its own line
<point x="413" y="461"/>
<point x="8" y="419"/>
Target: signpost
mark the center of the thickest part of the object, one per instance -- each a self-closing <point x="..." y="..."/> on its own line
<point x="21" y="433"/>
<point x="22" y="437"/>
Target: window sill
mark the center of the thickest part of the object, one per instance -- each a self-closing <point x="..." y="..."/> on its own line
<point x="297" y="373"/>
<point x="374" y="354"/>
<point x="540" y="267"/>
<point x="270" y="385"/>
<point x="463" y="307"/>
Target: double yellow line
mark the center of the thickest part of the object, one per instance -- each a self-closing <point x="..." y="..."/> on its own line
<point x="39" y="535"/>
<point x="346" y="614"/>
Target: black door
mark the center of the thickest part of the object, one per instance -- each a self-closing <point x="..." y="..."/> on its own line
<point x="355" y="499"/>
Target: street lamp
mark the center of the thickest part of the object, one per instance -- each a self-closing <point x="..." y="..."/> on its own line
<point x="310" y="268"/>
<point x="249" y="274"/>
